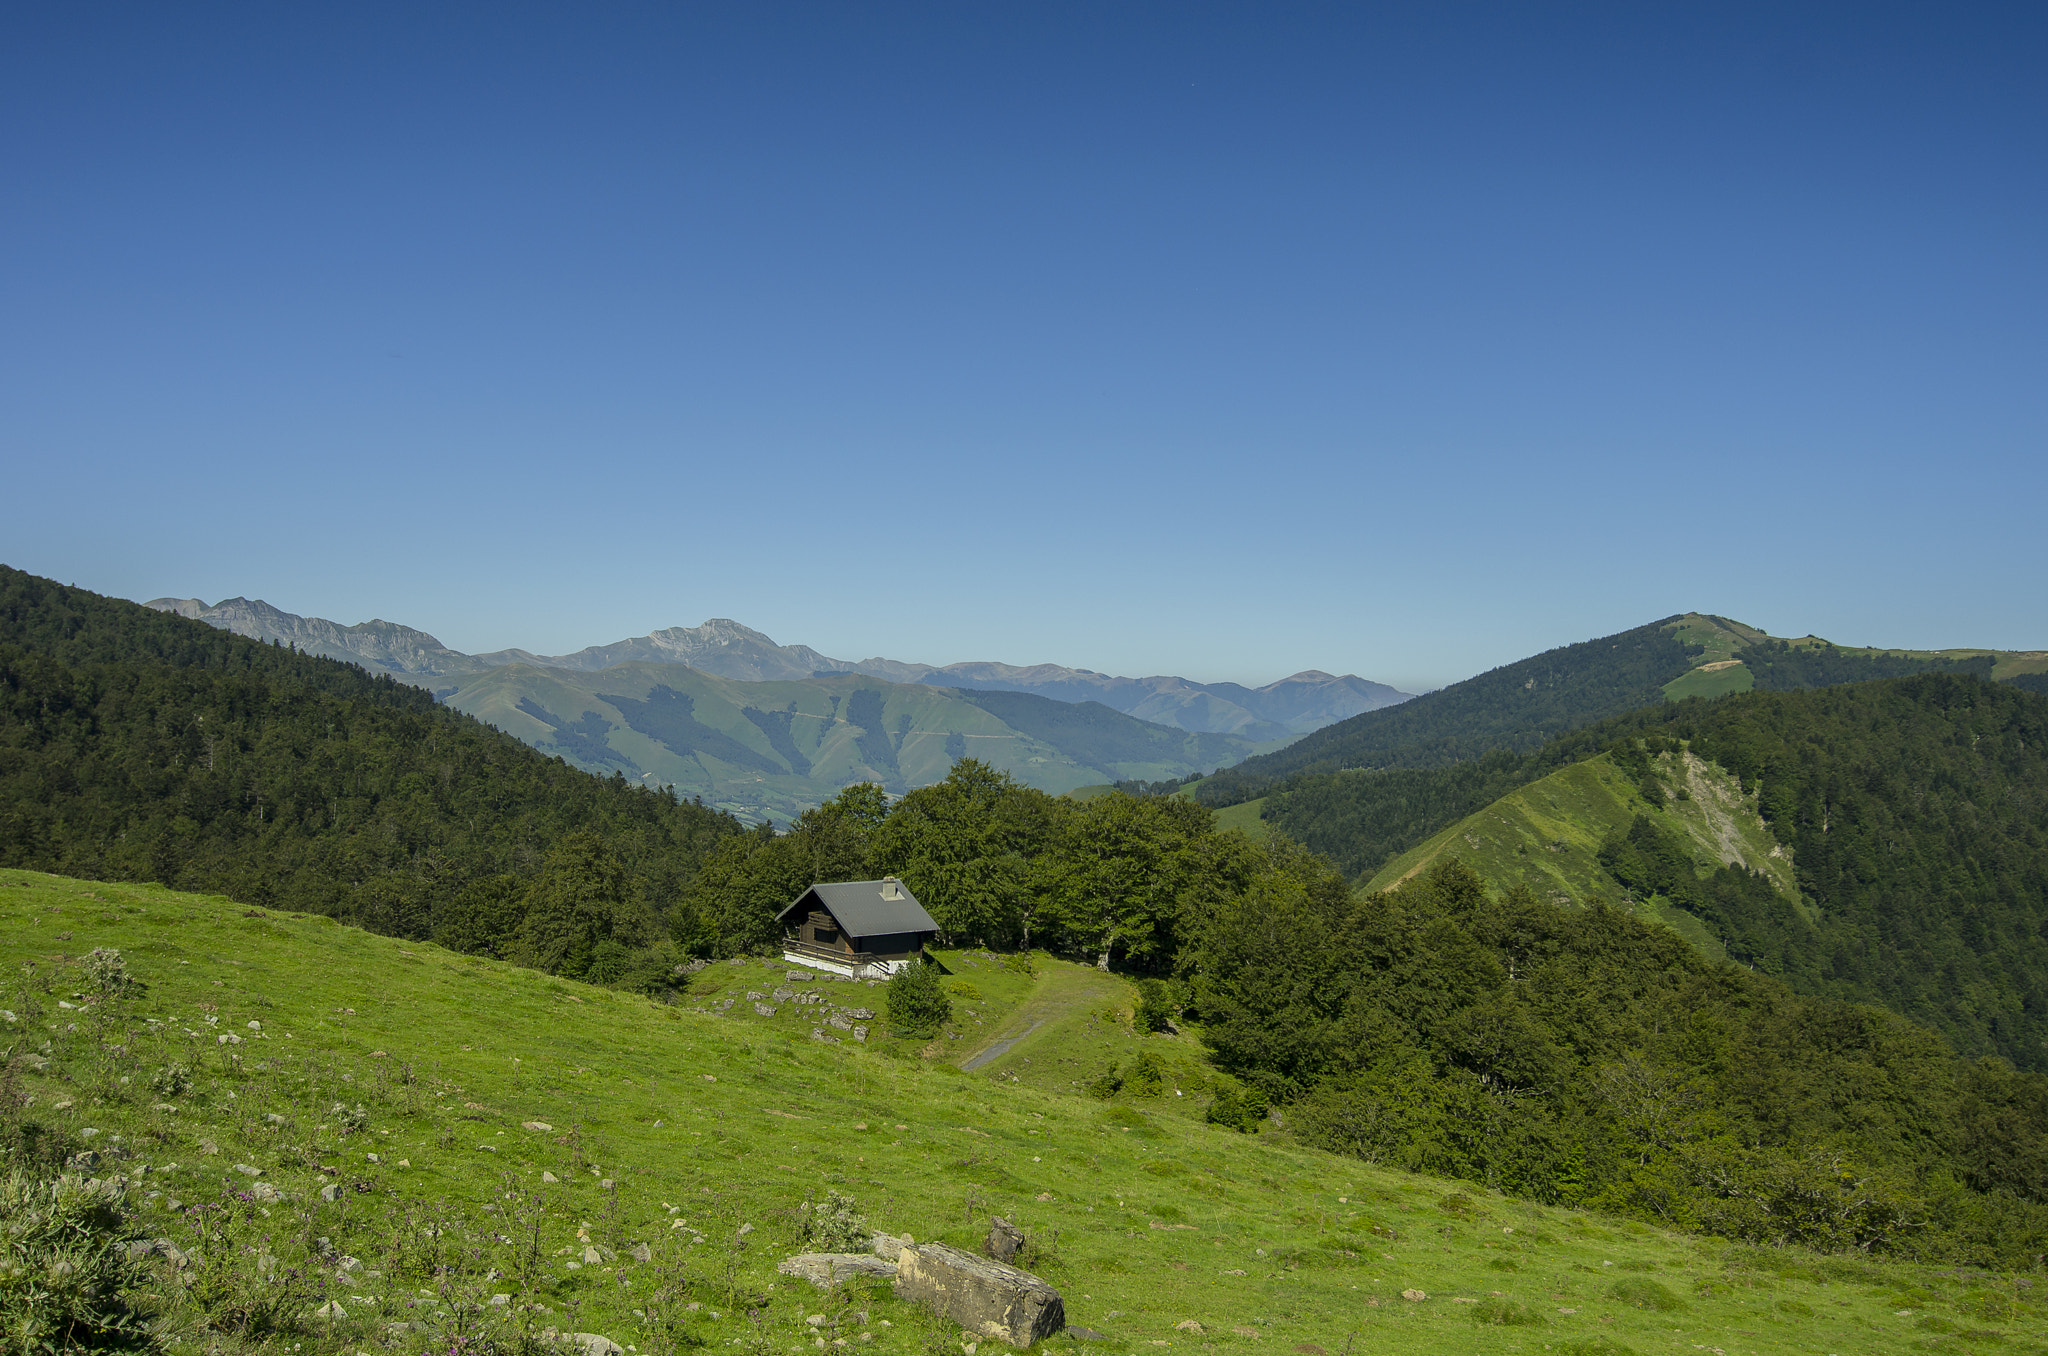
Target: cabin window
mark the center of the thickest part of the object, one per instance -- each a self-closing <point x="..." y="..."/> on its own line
<point x="825" y="936"/>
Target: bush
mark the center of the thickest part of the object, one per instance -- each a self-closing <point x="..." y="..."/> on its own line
<point x="1105" y="1084"/>
<point x="1146" y="1078"/>
<point x="1158" y="1004"/>
<point x="1243" y="1109"/>
<point x="834" y="1224"/>
<point x="107" y="972"/>
<point x="64" y="1270"/>
<point x="916" y="1002"/>
<point x="172" y="1080"/>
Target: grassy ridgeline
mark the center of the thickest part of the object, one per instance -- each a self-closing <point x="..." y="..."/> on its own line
<point x="675" y="1128"/>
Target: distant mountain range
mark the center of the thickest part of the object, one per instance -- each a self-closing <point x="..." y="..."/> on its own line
<point x="1293" y="706"/>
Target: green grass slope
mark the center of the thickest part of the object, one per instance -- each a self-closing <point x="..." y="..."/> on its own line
<point x="1547" y="835"/>
<point x="487" y="1130"/>
<point x="761" y="749"/>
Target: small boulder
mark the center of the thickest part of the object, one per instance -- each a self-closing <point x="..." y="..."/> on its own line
<point x="537" y="1126"/>
<point x="248" y="1170"/>
<point x="595" y="1344"/>
<point x="330" y="1311"/>
<point x="1005" y="1240"/>
<point x="549" y="1177"/>
<point x="592" y="1257"/>
<point x="827" y="1269"/>
<point x="264" y="1191"/>
<point x="765" y="1009"/>
<point x="642" y="1253"/>
<point x="890" y="1245"/>
<point x="983" y="1296"/>
<point x="330" y="1193"/>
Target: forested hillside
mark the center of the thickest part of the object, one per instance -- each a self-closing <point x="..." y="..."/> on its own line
<point x="1587" y="1056"/>
<point x="139" y="745"/>
<point x="1914" y="812"/>
<point x="1517" y="707"/>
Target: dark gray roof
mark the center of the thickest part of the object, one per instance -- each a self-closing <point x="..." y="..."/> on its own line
<point x="861" y="910"/>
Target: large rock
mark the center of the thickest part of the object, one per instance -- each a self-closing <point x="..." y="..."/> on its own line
<point x="827" y="1269"/>
<point x="1005" y="1240"/>
<point x="985" y="1297"/>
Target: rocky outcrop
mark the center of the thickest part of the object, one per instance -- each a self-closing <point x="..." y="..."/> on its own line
<point x="827" y="1269"/>
<point x="985" y="1297"/>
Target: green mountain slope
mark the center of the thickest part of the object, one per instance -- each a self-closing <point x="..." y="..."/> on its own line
<point x="138" y="744"/>
<point x="1901" y="827"/>
<point x="778" y="748"/>
<point x="1548" y="836"/>
<point x="482" y="1126"/>
<point x="1521" y="706"/>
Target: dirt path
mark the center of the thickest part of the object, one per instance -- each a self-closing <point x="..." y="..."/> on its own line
<point x="1067" y="992"/>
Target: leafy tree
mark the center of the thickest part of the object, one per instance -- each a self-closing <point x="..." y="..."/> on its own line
<point x="965" y="848"/>
<point x="578" y="909"/>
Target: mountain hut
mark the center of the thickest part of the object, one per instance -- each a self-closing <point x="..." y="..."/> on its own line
<point x="868" y="929"/>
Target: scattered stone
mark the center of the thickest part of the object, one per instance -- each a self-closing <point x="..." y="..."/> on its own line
<point x="798" y="976"/>
<point x="549" y="1177"/>
<point x="1005" y="1240"/>
<point x="889" y="1245"/>
<point x="1416" y="1296"/>
<point x="536" y="1126"/>
<point x="827" y="1269"/>
<point x="1189" y="1325"/>
<point x="330" y="1311"/>
<point x="860" y="1033"/>
<point x="783" y="994"/>
<point x="273" y="1118"/>
<point x="330" y="1192"/>
<point x="593" y="1344"/>
<point x="815" y="1321"/>
<point x="264" y="1191"/>
<point x="859" y="1014"/>
<point x="838" y="1023"/>
<point x="592" y="1257"/>
<point x="501" y="1301"/>
<point x="765" y="1009"/>
<point x="87" y="1133"/>
<point x="1087" y="1335"/>
<point x="983" y="1296"/>
<point x="642" y="1253"/>
<point x="248" y="1170"/>
<point x="755" y="995"/>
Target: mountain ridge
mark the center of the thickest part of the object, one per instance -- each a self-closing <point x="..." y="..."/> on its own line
<point x="1290" y="706"/>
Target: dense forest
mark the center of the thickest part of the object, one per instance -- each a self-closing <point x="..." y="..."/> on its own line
<point x="140" y="745"/>
<point x="1587" y="1057"/>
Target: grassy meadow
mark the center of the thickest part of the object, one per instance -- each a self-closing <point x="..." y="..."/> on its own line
<point x="488" y="1131"/>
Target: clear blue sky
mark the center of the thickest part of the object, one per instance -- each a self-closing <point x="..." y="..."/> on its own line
<point x="1215" y="340"/>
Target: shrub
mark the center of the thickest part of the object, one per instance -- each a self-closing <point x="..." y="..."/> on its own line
<point x="64" y="1270"/>
<point x="172" y="1080"/>
<point x="960" y="988"/>
<point x="915" y="1000"/>
<point x="1242" y="1109"/>
<point x="834" y="1224"/>
<point x="1645" y="1293"/>
<point x="1146" y="1078"/>
<point x="107" y="971"/>
<point x="1158" y="1004"/>
<point x="1105" y="1084"/>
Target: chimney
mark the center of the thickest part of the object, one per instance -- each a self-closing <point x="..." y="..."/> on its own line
<point x="891" y="888"/>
